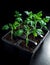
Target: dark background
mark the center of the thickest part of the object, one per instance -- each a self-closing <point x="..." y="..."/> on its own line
<point x="7" y="9"/>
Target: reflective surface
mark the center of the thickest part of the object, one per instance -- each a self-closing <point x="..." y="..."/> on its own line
<point x="42" y="57"/>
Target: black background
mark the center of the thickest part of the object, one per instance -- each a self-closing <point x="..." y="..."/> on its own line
<point x="7" y="8"/>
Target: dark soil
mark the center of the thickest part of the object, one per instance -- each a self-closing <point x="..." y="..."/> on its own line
<point x="30" y="46"/>
<point x="35" y="39"/>
<point x="13" y="41"/>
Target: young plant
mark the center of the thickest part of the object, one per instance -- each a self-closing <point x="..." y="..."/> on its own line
<point x="32" y="21"/>
<point x="12" y="27"/>
<point x="18" y="16"/>
<point x="27" y="32"/>
<point x="15" y="25"/>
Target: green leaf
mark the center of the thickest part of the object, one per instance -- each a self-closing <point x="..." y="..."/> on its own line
<point x="27" y="28"/>
<point x="10" y="25"/>
<point x="17" y="14"/>
<point x="48" y="17"/>
<point x="18" y="32"/>
<point x="5" y="27"/>
<point x="39" y="32"/>
<point x="46" y="27"/>
<point x="35" y="33"/>
<point x="36" y="17"/>
<point x="42" y="23"/>
<point x="26" y="12"/>
<point x="28" y="21"/>
<point x="19" y="19"/>
<point x="39" y="14"/>
<point x="46" y="20"/>
<point x="30" y="14"/>
<point x="16" y="24"/>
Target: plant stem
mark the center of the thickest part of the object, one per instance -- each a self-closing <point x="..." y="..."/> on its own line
<point x="41" y="27"/>
<point x="27" y="40"/>
<point x="35" y="24"/>
<point x="12" y="34"/>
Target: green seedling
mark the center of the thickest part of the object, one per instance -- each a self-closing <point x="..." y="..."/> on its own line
<point x="27" y="32"/>
<point x="32" y="21"/>
<point x="29" y="25"/>
<point x="15" y="25"/>
<point x="12" y="27"/>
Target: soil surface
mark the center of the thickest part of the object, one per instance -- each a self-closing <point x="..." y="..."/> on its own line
<point x="13" y="41"/>
<point x="30" y="46"/>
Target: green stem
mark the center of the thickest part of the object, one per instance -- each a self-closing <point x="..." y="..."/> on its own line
<point x="41" y="27"/>
<point x="27" y="40"/>
<point x="35" y="24"/>
<point x="12" y="34"/>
